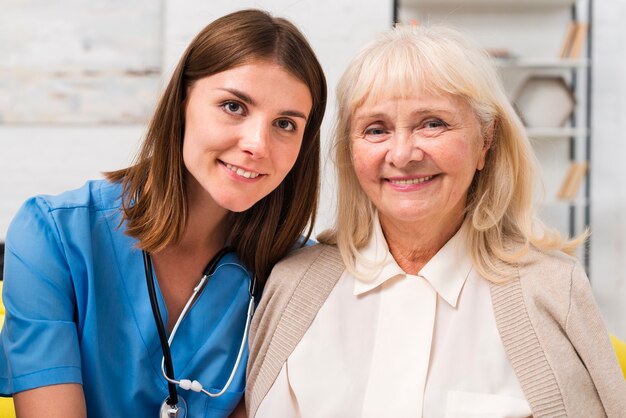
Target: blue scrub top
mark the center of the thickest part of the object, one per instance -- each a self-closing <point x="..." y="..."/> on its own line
<point x="78" y="311"/>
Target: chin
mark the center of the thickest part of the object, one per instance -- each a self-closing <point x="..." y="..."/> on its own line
<point x="241" y="205"/>
<point x="238" y="208"/>
<point x="406" y="217"/>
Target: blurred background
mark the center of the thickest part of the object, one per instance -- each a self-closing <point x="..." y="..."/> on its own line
<point x="79" y="80"/>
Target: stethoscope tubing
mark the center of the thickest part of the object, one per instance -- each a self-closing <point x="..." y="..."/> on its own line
<point x="156" y="312"/>
<point x="167" y="366"/>
<point x="242" y="346"/>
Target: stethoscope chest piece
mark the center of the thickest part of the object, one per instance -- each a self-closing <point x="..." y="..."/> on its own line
<point x="176" y="411"/>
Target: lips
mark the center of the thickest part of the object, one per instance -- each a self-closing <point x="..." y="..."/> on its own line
<point x="241" y="172"/>
<point x="408" y="182"/>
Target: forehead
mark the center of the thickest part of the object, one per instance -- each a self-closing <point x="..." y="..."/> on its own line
<point x="263" y="85"/>
<point x="258" y="67"/>
<point x="252" y="75"/>
<point x="421" y="101"/>
<point x="372" y="87"/>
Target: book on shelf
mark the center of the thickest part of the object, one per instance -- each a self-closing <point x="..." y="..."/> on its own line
<point x="572" y="181"/>
<point x="575" y="37"/>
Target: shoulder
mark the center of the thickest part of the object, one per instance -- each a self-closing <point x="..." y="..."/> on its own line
<point x="287" y="273"/>
<point x="94" y="195"/>
<point x="553" y="262"/>
<point x="549" y="272"/>
<point x="547" y="283"/>
<point x="302" y="258"/>
<point x="46" y="216"/>
<point x="550" y="311"/>
<point x="302" y="279"/>
<point x="299" y="284"/>
<point x="295" y="291"/>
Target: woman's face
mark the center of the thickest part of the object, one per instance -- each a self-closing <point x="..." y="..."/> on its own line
<point x="415" y="158"/>
<point x="243" y="132"/>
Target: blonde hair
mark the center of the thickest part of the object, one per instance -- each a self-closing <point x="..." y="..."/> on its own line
<point x="500" y="218"/>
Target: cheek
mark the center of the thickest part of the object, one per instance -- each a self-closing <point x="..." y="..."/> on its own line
<point x="462" y="156"/>
<point x="287" y="156"/>
<point x="364" y="160"/>
<point x="188" y="151"/>
<point x="467" y="161"/>
<point x="193" y="146"/>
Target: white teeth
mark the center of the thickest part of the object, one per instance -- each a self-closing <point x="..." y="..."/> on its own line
<point x="411" y="181"/>
<point x="241" y="172"/>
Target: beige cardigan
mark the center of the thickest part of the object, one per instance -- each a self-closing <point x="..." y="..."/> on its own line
<point x="547" y="318"/>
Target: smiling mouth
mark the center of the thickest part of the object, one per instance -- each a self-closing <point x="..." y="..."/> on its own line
<point x="241" y="172"/>
<point x="407" y="182"/>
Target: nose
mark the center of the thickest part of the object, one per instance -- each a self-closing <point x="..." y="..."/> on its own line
<point x="403" y="149"/>
<point x="255" y="139"/>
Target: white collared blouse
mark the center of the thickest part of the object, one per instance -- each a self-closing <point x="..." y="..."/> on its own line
<point x="401" y="345"/>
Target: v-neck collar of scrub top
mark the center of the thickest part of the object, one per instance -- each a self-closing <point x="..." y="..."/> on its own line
<point x="203" y="310"/>
<point x="134" y="281"/>
<point x="446" y="272"/>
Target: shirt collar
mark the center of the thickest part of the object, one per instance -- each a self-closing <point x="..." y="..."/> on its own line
<point x="374" y="262"/>
<point x="446" y="272"/>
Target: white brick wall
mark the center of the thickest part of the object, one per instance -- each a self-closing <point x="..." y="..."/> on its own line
<point x="51" y="159"/>
<point x="46" y="159"/>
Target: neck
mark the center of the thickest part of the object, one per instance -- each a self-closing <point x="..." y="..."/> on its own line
<point x="204" y="229"/>
<point x="412" y="246"/>
<point x="206" y="226"/>
<point x="179" y="265"/>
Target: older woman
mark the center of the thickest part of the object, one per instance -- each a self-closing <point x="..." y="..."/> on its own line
<point x="438" y="293"/>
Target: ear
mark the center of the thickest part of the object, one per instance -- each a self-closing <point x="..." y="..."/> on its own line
<point x="488" y="136"/>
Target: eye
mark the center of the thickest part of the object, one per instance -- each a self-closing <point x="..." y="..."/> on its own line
<point x="234" y="108"/>
<point x="286" y="125"/>
<point x="435" y="124"/>
<point x="375" y="132"/>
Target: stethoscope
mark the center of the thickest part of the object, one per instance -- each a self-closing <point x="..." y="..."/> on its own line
<point x="174" y="406"/>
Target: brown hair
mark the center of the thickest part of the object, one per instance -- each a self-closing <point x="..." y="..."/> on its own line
<point x="153" y="197"/>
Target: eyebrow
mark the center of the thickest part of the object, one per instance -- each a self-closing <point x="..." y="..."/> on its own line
<point x="434" y="110"/>
<point x="247" y="99"/>
<point x="422" y="111"/>
<point x="370" y="116"/>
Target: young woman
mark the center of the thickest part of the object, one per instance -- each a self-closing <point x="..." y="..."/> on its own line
<point x="228" y="172"/>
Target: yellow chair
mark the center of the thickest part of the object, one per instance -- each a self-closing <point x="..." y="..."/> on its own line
<point x="6" y="408"/>
<point x="620" y="350"/>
